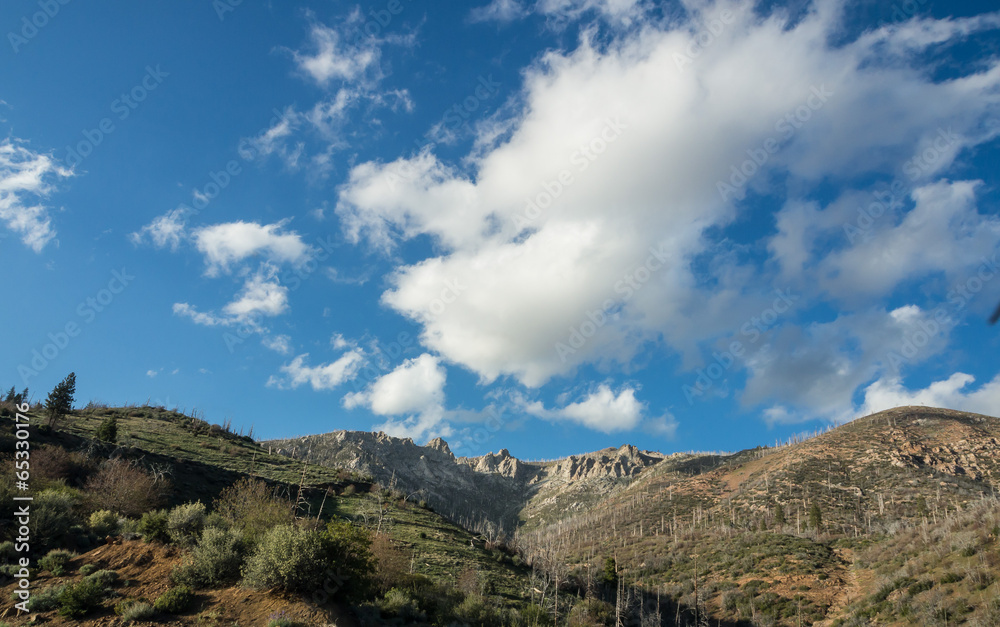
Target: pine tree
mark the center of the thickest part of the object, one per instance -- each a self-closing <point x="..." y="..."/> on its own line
<point x="610" y="574"/>
<point x="60" y="399"/>
<point x="22" y="397"/>
<point x="779" y="515"/>
<point x="11" y="395"/>
<point x="815" y="517"/>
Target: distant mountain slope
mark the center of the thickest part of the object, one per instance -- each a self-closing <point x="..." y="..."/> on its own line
<point x="495" y="487"/>
<point x="672" y="521"/>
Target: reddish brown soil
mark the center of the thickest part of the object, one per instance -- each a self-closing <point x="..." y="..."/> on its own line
<point x="145" y="569"/>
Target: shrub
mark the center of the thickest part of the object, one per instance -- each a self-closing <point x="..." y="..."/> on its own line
<point x="106" y="578"/>
<point x="52" y="517"/>
<point x="591" y="611"/>
<point x="54" y="463"/>
<point x="126" y="488"/>
<point x="952" y="578"/>
<point x="7" y="552"/>
<point x="153" y="526"/>
<point x="215" y="560"/>
<point x="392" y="567"/>
<point x="475" y="610"/>
<point x="104" y="523"/>
<point x="251" y="506"/>
<point x="55" y="561"/>
<point x="400" y="604"/>
<point x="108" y="430"/>
<point x="279" y="619"/>
<point x="79" y="598"/>
<point x="185" y="522"/>
<point x="139" y="610"/>
<point x="174" y="600"/>
<point x="47" y="599"/>
<point x="289" y="558"/>
<point x="87" y="569"/>
<point x="124" y="605"/>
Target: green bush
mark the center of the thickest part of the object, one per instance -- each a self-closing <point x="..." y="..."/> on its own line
<point x="108" y="430"/>
<point x="475" y="610"/>
<point x="289" y="558"/>
<point x="153" y="526"/>
<point x="55" y="561"/>
<point x="215" y="560"/>
<point x="104" y="523"/>
<point x="87" y="569"/>
<point x="47" y="599"/>
<point x="400" y="604"/>
<point x="52" y="517"/>
<point x="185" y="522"/>
<point x="78" y="599"/>
<point x="534" y="614"/>
<point x="139" y="610"/>
<point x="107" y="578"/>
<point x="174" y="600"/>
<point x="7" y="552"/>
<point x="124" y="605"/>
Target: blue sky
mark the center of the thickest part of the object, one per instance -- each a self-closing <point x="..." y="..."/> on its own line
<point x="545" y="225"/>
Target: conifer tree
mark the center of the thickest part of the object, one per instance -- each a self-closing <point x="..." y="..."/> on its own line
<point x="60" y="399"/>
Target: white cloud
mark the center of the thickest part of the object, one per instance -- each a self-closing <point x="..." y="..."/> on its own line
<point x="415" y="386"/>
<point x="321" y="377"/>
<point x="943" y="233"/>
<point x="615" y="11"/>
<point x="166" y="230"/>
<point x="281" y="344"/>
<point x="602" y="410"/>
<point x="152" y="373"/>
<point x="499" y="11"/>
<point x="186" y="310"/>
<point x="412" y="396"/>
<point x="26" y="178"/>
<point x="952" y="393"/>
<point x="262" y="295"/>
<point x="669" y="127"/>
<point x="812" y="372"/>
<point x="339" y="342"/>
<point x="225" y="244"/>
<point x="333" y="58"/>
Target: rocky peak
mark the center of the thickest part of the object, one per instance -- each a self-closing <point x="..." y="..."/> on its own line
<point x="440" y="445"/>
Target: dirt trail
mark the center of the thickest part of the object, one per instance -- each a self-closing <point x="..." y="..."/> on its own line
<point x="851" y="589"/>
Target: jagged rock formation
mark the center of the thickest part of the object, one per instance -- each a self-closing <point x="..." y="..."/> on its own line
<point x="496" y="487"/>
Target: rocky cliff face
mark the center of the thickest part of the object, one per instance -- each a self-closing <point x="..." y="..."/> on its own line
<point x="497" y="486"/>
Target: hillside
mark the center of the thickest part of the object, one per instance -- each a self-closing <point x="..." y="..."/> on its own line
<point x="199" y="461"/>
<point x="890" y="519"/>
<point x="671" y="521"/>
